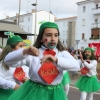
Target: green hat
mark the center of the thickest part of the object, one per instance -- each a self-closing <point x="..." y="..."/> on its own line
<point x="48" y="25"/>
<point x="14" y="39"/>
<point x="89" y="49"/>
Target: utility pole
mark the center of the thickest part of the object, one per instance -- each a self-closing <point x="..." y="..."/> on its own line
<point x="19" y="11"/>
<point x="35" y="4"/>
<point x="49" y="8"/>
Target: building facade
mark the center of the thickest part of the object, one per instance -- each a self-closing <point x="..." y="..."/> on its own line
<point x="88" y="23"/>
<point x="67" y="28"/>
<point x="27" y="21"/>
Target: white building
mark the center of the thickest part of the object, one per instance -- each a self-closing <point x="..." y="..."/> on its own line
<point x="67" y="28"/>
<point x="27" y="21"/>
<point x="88" y="23"/>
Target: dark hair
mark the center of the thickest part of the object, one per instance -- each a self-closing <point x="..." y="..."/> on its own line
<point x="38" y="42"/>
<point x="93" y="57"/>
<point x="5" y="51"/>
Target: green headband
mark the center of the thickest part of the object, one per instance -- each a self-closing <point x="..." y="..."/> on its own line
<point x="14" y="39"/>
<point x="89" y="49"/>
<point x="48" y="25"/>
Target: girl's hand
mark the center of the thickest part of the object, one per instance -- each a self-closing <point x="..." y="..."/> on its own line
<point x="49" y="58"/>
<point x="31" y="51"/>
<point x="16" y="87"/>
<point x="25" y="79"/>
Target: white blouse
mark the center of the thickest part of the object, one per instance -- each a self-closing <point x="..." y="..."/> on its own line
<point x="65" y="62"/>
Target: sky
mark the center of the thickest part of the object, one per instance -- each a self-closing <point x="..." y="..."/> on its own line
<point x="60" y="8"/>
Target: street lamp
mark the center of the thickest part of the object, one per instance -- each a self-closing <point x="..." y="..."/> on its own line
<point x="35" y="4"/>
<point x="77" y="42"/>
<point x="5" y="11"/>
<point x="49" y="8"/>
<point x="19" y="11"/>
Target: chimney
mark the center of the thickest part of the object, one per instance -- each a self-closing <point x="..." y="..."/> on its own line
<point x="17" y="14"/>
<point x="33" y="10"/>
<point x="7" y="16"/>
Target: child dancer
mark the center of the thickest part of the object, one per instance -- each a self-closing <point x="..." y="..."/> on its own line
<point x="8" y="84"/>
<point x="46" y="62"/>
<point x="88" y="83"/>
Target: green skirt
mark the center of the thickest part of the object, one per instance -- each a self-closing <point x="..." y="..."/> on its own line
<point x="4" y="93"/>
<point x="88" y="84"/>
<point x="66" y="79"/>
<point x="35" y="91"/>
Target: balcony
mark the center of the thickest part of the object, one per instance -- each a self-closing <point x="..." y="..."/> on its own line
<point x="96" y="11"/>
<point x="95" y="38"/>
<point x="95" y="25"/>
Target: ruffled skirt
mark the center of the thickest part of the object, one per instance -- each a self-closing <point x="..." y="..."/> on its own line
<point x="35" y="91"/>
<point x="88" y="84"/>
<point x="4" y="93"/>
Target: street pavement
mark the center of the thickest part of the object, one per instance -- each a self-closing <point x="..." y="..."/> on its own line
<point x="74" y="94"/>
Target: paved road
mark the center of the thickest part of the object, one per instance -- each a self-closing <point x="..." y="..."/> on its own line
<point x="74" y="94"/>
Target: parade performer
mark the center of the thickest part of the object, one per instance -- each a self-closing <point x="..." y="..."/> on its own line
<point x="66" y="81"/>
<point x="88" y="82"/>
<point x="9" y="83"/>
<point x="46" y="60"/>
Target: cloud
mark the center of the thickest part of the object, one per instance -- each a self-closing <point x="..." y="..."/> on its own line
<point x="60" y="8"/>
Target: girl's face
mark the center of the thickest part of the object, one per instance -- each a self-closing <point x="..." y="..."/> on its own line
<point x="50" y="38"/>
<point x="19" y="45"/>
<point x="88" y="54"/>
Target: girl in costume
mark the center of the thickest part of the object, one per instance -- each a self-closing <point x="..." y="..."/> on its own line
<point x="88" y="82"/>
<point x="46" y="60"/>
<point x="66" y="81"/>
<point x="8" y="83"/>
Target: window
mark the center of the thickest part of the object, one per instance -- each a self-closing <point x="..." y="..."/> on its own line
<point x="83" y="35"/>
<point x="83" y="22"/>
<point x="63" y="32"/>
<point x="22" y="20"/>
<point x="63" y="23"/>
<point x="28" y="29"/>
<point x="96" y="6"/>
<point x="84" y="8"/>
<point x="63" y="41"/>
<point x="28" y="18"/>
<point x="95" y="33"/>
<point x="66" y="23"/>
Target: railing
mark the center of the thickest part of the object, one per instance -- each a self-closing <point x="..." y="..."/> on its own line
<point x="96" y="10"/>
<point x="96" y="23"/>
